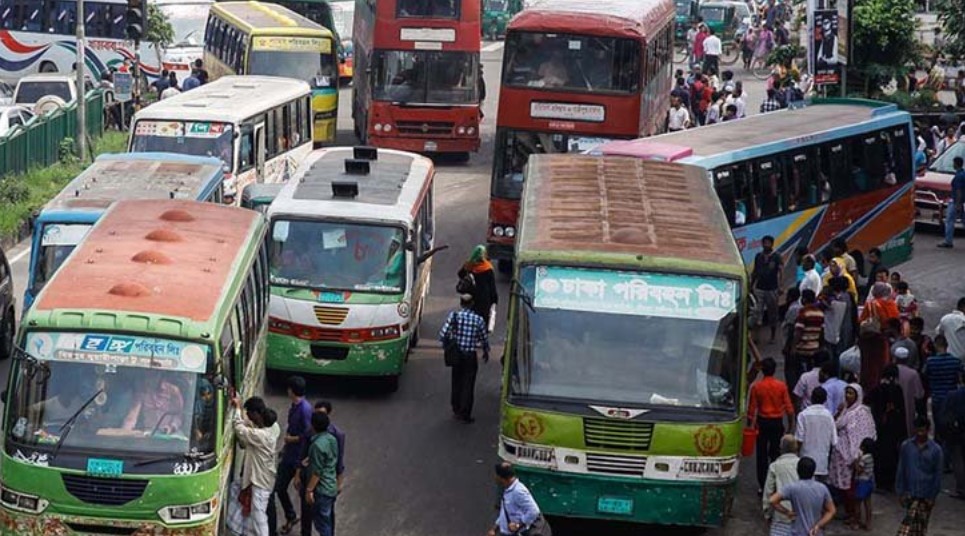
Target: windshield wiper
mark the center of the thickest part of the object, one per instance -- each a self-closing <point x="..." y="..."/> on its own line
<point x="192" y="456"/>
<point x="69" y="424"/>
<point x="520" y="292"/>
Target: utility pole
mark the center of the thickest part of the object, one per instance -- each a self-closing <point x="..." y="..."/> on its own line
<point x="81" y="97"/>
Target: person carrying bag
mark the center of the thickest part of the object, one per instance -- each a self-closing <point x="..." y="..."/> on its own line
<point x="462" y="334"/>
<point x="519" y="515"/>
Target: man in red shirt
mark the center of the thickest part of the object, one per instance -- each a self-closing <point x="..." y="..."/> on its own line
<point x="769" y="402"/>
<point x="699" y="43"/>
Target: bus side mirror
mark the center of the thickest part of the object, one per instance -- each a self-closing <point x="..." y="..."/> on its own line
<point x="425" y="256"/>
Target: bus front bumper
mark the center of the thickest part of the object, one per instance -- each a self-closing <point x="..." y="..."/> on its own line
<point x="369" y="359"/>
<point x="664" y="502"/>
<point x="425" y="145"/>
<point x="14" y="523"/>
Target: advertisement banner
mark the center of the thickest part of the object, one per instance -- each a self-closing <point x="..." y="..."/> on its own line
<point x="844" y="31"/>
<point x="824" y="47"/>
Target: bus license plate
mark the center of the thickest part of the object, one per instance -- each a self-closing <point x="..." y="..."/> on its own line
<point x="614" y="505"/>
<point x="101" y="467"/>
<point x="429" y="146"/>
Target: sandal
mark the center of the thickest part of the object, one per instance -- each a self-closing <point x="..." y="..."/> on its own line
<point x="288" y="526"/>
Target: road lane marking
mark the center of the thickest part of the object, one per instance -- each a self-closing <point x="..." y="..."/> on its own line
<point x="19" y="256"/>
<point x="493" y="47"/>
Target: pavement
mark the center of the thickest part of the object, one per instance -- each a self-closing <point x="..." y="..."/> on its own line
<point x="413" y="470"/>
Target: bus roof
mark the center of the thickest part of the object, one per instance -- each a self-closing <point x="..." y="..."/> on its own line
<point x="783" y="126"/>
<point x="618" y="18"/>
<point x="169" y="258"/>
<point x="229" y="99"/>
<point x="390" y="191"/>
<point x="624" y="209"/>
<point x="268" y="19"/>
<point x="113" y="177"/>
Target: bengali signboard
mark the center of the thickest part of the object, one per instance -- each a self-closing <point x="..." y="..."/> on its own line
<point x="634" y="293"/>
<point x="563" y="110"/>
<point x="118" y="350"/>
<point x="292" y="43"/>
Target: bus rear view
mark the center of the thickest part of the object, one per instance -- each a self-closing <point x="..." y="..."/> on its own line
<point x="417" y="81"/>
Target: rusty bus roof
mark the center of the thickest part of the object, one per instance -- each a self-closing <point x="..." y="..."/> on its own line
<point x="169" y="258"/>
<point x="585" y="205"/>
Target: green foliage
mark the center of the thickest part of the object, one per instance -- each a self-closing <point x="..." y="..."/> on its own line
<point x="884" y="39"/>
<point x="21" y="195"/>
<point x="66" y="153"/>
<point x="951" y="14"/>
<point x="159" y="29"/>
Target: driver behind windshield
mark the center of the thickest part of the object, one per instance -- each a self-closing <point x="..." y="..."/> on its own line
<point x="158" y="405"/>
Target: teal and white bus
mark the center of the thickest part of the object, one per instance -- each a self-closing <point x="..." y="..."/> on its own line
<point x="351" y="241"/>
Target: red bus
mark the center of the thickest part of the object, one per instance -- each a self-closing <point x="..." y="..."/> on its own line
<point x="576" y="73"/>
<point x="416" y="85"/>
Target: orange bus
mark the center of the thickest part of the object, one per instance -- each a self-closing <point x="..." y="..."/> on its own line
<point x="416" y="85"/>
<point x="576" y="73"/>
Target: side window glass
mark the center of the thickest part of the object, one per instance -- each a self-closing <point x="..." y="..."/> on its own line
<point x="724" y="184"/>
<point x="246" y="154"/>
<point x="770" y="182"/>
<point x="836" y="167"/>
<point x="901" y="151"/>
<point x="228" y="338"/>
<point x="875" y="157"/>
<point x="802" y="190"/>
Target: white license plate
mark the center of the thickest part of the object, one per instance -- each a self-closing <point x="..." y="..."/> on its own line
<point x="430" y="146"/>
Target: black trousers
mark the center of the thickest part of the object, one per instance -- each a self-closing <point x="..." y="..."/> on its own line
<point x="768" y="445"/>
<point x="283" y="481"/>
<point x="463" y="386"/>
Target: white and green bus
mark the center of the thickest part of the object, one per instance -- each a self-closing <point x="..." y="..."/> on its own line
<point x="351" y="241"/>
<point x="117" y="415"/>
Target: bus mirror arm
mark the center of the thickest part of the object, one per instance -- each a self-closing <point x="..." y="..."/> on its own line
<point x="425" y="256"/>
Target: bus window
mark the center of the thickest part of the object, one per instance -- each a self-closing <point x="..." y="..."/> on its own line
<point x="835" y="167"/>
<point x="246" y="154"/>
<point x="803" y="188"/>
<point x="901" y="161"/>
<point x="770" y="181"/>
<point x="875" y="156"/>
<point x="437" y="9"/>
<point x="577" y="63"/>
<point x="724" y="184"/>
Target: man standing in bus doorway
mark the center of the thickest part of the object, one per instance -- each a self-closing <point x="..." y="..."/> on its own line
<point x="767" y="281"/>
<point x="258" y="436"/>
<point x="955" y="209"/>
<point x="469" y="331"/>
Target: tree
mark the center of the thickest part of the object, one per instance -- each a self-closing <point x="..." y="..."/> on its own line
<point x="951" y="15"/>
<point x="159" y="31"/>
<point x="884" y="40"/>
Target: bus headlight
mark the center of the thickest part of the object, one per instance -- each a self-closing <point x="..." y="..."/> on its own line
<point x="378" y="127"/>
<point x="498" y="231"/>
<point x="188" y="513"/>
<point x="510" y="231"/>
<point x="22" y="502"/>
<point x="461" y="130"/>
<point x="388" y="128"/>
<point x="471" y="130"/>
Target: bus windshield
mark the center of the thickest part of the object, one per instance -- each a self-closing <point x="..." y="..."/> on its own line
<point x="945" y="162"/>
<point x="146" y="395"/>
<point x="513" y="148"/>
<point x="188" y="22"/>
<point x="627" y="338"/>
<point x="337" y="255"/>
<point x="199" y="138"/>
<point x="56" y="244"/>
<point x="572" y="62"/>
<point x="713" y="13"/>
<point x="425" y="77"/>
<point x="436" y="9"/>
<point x="496" y="5"/>
<point x="319" y="70"/>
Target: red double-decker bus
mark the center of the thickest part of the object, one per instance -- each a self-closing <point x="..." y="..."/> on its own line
<point x="416" y="81"/>
<point x="575" y="73"/>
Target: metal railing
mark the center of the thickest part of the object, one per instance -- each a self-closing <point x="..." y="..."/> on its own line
<point x="37" y="143"/>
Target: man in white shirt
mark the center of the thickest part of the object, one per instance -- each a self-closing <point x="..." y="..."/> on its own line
<point x="678" y="118"/>
<point x="952" y="326"/>
<point x="817" y="432"/>
<point x="258" y="434"/>
<point x="712" y="51"/>
<point x="812" y="279"/>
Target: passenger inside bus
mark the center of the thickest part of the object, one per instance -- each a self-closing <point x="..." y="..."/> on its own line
<point x="553" y="72"/>
<point x="157" y="406"/>
<point x="428" y="8"/>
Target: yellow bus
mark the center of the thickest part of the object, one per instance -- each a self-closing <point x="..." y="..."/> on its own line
<point x="267" y="39"/>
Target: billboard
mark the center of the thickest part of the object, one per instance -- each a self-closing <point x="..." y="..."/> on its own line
<point x="824" y="47"/>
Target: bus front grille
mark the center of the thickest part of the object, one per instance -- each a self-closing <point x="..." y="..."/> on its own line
<point x="104" y="491"/>
<point x="330" y="316"/>
<point x="616" y="465"/>
<point x="425" y="128"/>
<point x="617" y="434"/>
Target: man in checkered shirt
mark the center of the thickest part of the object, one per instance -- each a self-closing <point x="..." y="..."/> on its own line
<point x="770" y="104"/>
<point x="469" y="331"/>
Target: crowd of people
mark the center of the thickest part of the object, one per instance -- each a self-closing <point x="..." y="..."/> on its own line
<point x="865" y="388"/>
<point x="165" y="86"/>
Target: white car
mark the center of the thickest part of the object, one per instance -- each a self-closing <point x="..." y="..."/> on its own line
<point x="12" y="116"/>
<point x="49" y="89"/>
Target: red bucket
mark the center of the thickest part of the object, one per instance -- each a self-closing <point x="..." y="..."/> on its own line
<point x="750" y="441"/>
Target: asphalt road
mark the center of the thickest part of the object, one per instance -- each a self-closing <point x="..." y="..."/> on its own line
<point x="412" y="470"/>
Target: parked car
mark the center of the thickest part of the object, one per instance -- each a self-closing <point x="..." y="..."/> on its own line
<point x="6" y="93"/>
<point x="52" y="88"/>
<point x="13" y="115"/>
<point x="933" y="190"/>
<point x="8" y="326"/>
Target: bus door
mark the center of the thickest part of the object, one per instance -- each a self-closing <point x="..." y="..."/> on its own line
<point x="260" y="152"/>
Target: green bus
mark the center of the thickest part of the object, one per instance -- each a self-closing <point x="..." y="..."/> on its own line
<point x="351" y="241"/>
<point x="622" y="391"/>
<point x="116" y="413"/>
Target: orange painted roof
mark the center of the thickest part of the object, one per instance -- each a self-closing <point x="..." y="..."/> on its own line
<point x="160" y="257"/>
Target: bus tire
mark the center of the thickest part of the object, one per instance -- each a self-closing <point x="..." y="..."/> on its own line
<point x="391" y="384"/>
<point x="48" y="67"/>
<point x="461" y="158"/>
